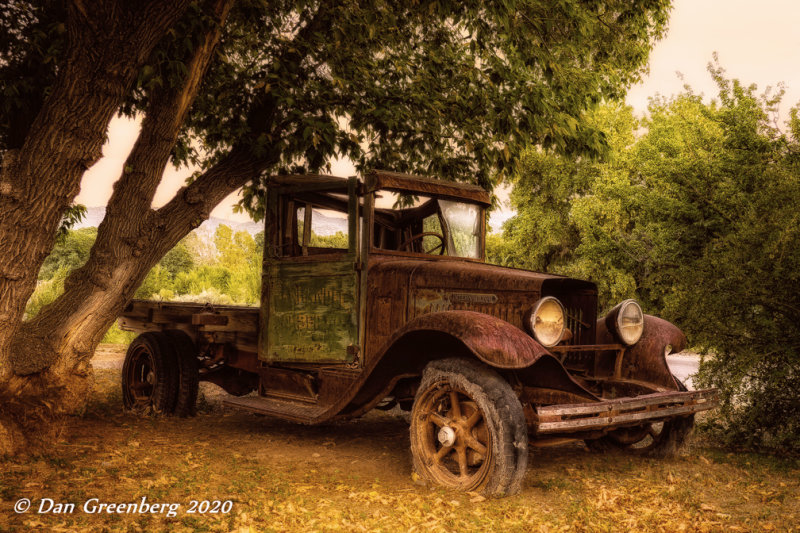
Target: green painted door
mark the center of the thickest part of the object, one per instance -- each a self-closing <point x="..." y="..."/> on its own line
<point x="312" y="311"/>
<point x="310" y="284"/>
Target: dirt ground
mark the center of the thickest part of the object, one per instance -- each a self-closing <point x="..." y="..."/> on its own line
<point x="226" y="470"/>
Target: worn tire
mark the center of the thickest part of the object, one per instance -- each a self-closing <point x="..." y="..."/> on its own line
<point x="659" y="439"/>
<point x="150" y="374"/>
<point x="499" y="429"/>
<point x="188" y="372"/>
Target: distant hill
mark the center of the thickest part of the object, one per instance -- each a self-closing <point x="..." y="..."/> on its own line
<point x="323" y="225"/>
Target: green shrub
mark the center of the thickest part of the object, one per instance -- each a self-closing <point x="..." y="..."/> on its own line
<point x="115" y="335"/>
<point x="695" y="213"/>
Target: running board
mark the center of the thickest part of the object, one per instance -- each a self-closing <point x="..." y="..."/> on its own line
<point x="294" y="411"/>
<point x="568" y="418"/>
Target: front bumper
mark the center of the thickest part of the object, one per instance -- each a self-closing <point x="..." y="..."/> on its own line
<point x="621" y="412"/>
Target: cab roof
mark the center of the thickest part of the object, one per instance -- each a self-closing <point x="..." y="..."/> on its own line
<point x="383" y="180"/>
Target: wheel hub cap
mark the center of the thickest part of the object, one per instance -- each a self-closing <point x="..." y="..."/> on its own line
<point x="447" y="436"/>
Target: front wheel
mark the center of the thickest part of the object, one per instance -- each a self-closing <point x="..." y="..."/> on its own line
<point x="468" y="430"/>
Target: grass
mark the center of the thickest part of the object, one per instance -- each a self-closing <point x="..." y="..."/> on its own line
<point x="356" y="476"/>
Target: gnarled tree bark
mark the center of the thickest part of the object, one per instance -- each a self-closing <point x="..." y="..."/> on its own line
<point x="107" y="45"/>
<point x="108" y="42"/>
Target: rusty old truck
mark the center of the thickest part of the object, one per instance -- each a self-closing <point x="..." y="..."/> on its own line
<point x="375" y="293"/>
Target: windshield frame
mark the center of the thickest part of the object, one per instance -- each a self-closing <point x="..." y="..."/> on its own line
<point x="371" y="225"/>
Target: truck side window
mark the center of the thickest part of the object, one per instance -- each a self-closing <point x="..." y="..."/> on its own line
<point x="320" y="230"/>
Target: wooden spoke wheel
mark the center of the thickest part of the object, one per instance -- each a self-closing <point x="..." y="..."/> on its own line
<point x="457" y="441"/>
<point x="406" y="245"/>
<point x="459" y="438"/>
<point x="150" y="374"/>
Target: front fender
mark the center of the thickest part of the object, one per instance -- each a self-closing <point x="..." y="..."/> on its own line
<point x="493" y="340"/>
<point x="646" y="360"/>
<point x="459" y="334"/>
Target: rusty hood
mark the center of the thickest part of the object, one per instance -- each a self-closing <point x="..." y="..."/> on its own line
<point x="457" y="274"/>
<point x="436" y="285"/>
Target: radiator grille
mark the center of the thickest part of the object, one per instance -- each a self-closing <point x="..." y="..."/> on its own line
<point x="576" y="325"/>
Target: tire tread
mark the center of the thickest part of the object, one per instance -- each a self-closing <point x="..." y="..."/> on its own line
<point x="188" y="372"/>
<point x="511" y="463"/>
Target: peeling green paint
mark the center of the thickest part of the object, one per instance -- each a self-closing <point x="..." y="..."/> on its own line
<point x="313" y="311"/>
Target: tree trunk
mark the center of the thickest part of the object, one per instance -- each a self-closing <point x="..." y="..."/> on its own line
<point x="107" y="45"/>
<point x="39" y="181"/>
<point x="67" y="332"/>
<point x="51" y="353"/>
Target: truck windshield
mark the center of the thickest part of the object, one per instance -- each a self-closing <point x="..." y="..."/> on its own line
<point x="427" y="225"/>
<point x="463" y="225"/>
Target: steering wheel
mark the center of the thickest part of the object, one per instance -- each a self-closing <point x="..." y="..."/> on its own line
<point x="422" y="235"/>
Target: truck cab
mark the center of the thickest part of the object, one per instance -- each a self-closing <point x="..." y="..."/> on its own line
<point x="375" y="293"/>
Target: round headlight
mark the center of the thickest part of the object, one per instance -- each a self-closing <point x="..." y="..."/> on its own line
<point x="628" y="322"/>
<point x="546" y="321"/>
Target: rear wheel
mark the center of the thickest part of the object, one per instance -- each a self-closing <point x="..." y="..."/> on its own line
<point x="150" y="374"/>
<point x="188" y="376"/>
<point x="468" y="431"/>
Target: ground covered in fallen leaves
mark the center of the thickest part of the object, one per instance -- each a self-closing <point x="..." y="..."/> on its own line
<point x="260" y="474"/>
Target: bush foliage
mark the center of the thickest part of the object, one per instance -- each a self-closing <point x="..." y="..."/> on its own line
<point x="694" y="212"/>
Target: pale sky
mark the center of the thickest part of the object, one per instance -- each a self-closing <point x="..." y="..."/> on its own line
<point x="757" y="42"/>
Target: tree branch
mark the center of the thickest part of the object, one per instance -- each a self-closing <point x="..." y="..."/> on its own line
<point x="162" y="124"/>
<point x="193" y="204"/>
<point x="130" y="202"/>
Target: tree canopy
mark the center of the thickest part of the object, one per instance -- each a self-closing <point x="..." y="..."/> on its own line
<point x="245" y="89"/>
<point x="447" y="88"/>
